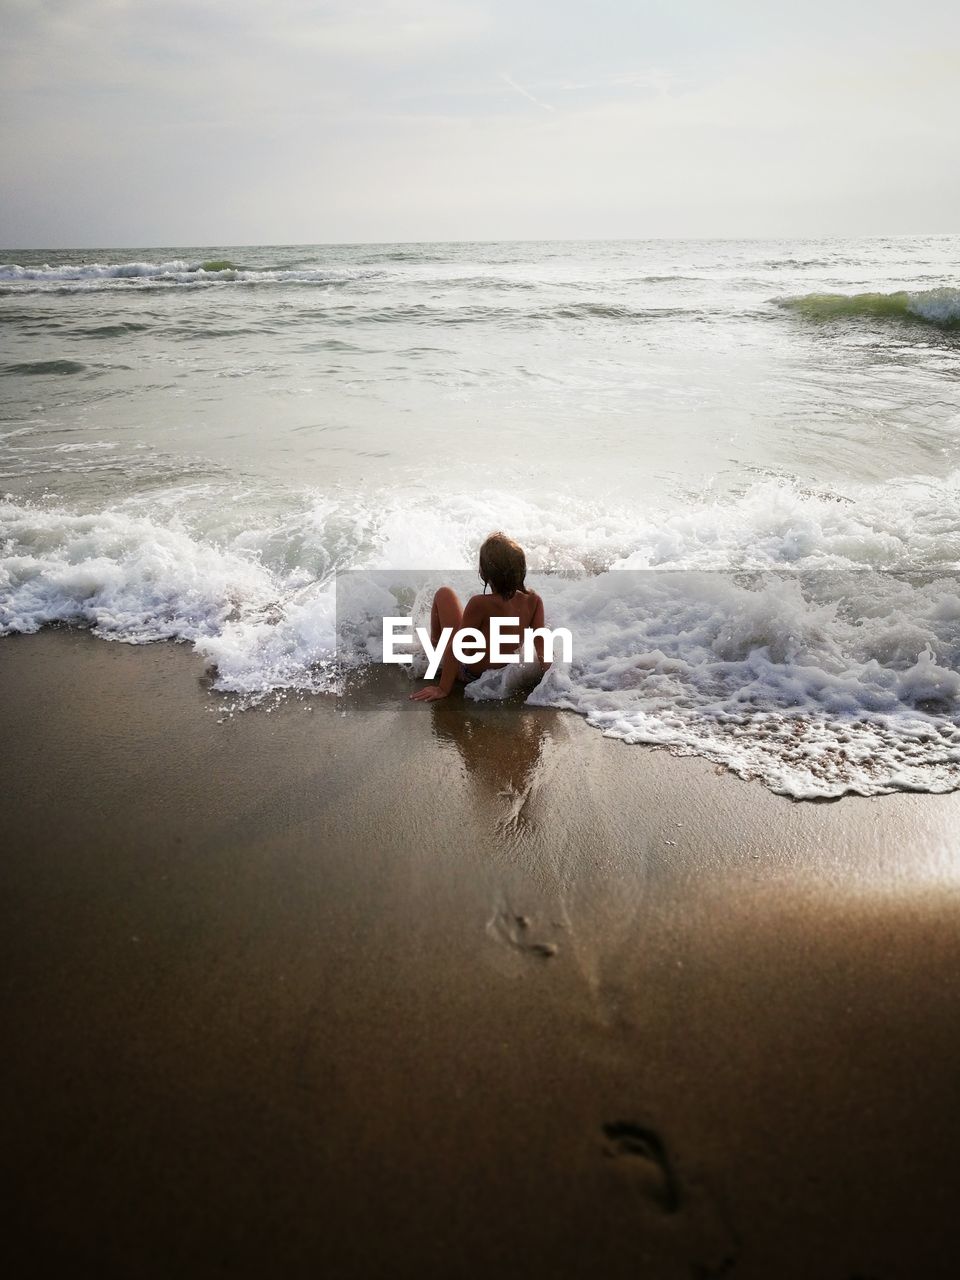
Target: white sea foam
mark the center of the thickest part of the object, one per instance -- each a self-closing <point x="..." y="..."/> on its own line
<point x="817" y="684"/>
<point x="136" y="579"/>
<point x="90" y="271"/>
<point x="86" y="276"/>
<point x="907" y="523"/>
<point x="939" y="306"/>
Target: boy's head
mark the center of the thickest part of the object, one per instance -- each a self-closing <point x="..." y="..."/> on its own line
<point x="503" y="566"/>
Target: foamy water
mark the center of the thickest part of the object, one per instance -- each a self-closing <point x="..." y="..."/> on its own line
<point x="195" y="442"/>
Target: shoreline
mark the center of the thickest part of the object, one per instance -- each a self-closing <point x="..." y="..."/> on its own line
<point x="382" y="988"/>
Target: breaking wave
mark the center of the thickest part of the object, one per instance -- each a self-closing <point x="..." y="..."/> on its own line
<point x="87" y="276"/>
<point x="816" y="683"/>
<point x="939" y="307"/>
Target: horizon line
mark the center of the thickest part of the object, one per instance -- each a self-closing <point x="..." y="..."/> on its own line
<point x="359" y="244"/>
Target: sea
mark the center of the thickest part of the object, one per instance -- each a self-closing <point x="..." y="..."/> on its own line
<point x="734" y="466"/>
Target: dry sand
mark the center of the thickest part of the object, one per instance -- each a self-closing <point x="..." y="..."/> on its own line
<point x="388" y="989"/>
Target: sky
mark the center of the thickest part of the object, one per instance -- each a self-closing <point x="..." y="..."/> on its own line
<point x="234" y="122"/>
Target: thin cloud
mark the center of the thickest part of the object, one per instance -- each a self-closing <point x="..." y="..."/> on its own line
<point x="509" y="80"/>
<point x="655" y="79"/>
<point x="233" y="121"/>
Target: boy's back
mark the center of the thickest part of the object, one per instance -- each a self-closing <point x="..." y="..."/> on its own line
<point x="525" y="606"/>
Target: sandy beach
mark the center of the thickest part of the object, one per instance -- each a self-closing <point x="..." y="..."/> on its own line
<point x="335" y="335"/>
<point x="368" y="988"/>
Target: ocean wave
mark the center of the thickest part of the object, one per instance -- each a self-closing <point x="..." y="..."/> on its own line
<point x="472" y="281"/>
<point x="42" y="368"/>
<point x="611" y="311"/>
<point x="939" y="307"/>
<point x="802" y="264"/>
<point x="816" y="683"/>
<point x="447" y="300"/>
<point x="87" y="271"/>
<point x="118" y="330"/>
<point x="672" y="278"/>
<point x="481" y="313"/>
<point x="97" y="276"/>
<point x="136" y="579"/>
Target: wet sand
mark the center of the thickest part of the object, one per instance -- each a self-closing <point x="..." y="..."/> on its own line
<point x="385" y="989"/>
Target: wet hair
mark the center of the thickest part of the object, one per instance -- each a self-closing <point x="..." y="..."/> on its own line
<point x="503" y="566"/>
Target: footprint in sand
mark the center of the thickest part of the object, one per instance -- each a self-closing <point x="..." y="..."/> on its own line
<point x="644" y="1149"/>
<point x="715" y="1242"/>
<point x="712" y="1238"/>
<point x="515" y="931"/>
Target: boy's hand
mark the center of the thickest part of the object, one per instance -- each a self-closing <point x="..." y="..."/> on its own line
<point x="430" y="694"/>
